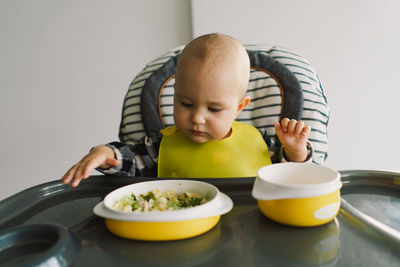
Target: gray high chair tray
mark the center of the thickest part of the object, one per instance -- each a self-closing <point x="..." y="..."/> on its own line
<point x="53" y="224"/>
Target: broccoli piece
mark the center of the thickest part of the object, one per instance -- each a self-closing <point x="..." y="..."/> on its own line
<point x="148" y="196"/>
<point x="194" y="201"/>
<point x="135" y="205"/>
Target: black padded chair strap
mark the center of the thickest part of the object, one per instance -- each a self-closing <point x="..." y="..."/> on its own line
<point x="292" y="93"/>
<point x="149" y="101"/>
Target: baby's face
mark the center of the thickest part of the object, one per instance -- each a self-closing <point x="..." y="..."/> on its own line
<point x="206" y="101"/>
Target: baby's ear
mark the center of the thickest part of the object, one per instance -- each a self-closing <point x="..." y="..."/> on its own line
<point x="243" y="103"/>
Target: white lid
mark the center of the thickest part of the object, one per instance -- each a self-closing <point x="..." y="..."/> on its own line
<point x="295" y="180"/>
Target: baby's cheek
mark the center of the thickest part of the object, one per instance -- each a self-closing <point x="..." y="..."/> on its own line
<point x="224" y="131"/>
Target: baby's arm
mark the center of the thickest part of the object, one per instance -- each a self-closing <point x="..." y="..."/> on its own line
<point x="99" y="157"/>
<point x="293" y="136"/>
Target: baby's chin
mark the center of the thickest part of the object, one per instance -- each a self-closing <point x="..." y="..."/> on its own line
<point x="198" y="139"/>
<point x="201" y="139"/>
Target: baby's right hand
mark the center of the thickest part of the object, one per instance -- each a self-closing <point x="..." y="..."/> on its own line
<point x="99" y="157"/>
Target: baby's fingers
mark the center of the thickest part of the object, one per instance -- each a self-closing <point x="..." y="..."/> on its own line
<point x="85" y="168"/>
<point x="77" y="177"/>
<point x="292" y="125"/>
<point x="69" y="174"/>
<point x="278" y="128"/>
<point x="76" y="181"/>
<point x="81" y="173"/>
<point x="285" y="124"/>
<point x="299" y="127"/>
<point x="306" y="131"/>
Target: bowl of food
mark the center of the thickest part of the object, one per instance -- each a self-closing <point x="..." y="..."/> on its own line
<point x="163" y="210"/>
<point x="298" y="194"/>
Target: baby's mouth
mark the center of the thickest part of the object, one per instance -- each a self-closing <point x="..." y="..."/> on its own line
<point x="197" y="132"/>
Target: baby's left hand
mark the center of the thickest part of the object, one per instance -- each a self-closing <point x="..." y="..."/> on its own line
<point x="293" y="136"/>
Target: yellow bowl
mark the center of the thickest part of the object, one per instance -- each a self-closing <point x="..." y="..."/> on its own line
<point x="164" y="225"/>
<point x="298" y="194"/>
<point x="157" y="231"/>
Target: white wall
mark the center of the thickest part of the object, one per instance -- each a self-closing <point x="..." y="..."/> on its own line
<point x="354" y="47"/>
<point x="65" y="67"/>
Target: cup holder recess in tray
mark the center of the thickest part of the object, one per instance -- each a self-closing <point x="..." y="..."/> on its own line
<point x="38" y="244"/>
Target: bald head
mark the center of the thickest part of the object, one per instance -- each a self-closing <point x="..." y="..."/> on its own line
<point x="217" y="51"/>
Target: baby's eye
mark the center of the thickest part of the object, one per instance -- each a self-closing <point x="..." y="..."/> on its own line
<point x="214" y="109"/>
<point x="188" y="105"/>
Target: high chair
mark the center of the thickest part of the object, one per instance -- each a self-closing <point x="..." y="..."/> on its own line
<point x="52" y="224"/>
<point x="282" y="84"/>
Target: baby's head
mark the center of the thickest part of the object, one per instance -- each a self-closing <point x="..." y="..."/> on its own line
<point x="210" y="86"/>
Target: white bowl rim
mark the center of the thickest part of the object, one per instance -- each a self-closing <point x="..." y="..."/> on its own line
<point x="264" y="189"/>
<point x="335" y="181"/>
<point x="179" y="212"/>
<point x="222" y="206"/>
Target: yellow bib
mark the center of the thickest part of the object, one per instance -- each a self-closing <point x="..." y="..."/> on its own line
<point x="239" y="155"/>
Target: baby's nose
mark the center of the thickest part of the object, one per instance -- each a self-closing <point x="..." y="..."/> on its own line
<point x="198" y="118"/>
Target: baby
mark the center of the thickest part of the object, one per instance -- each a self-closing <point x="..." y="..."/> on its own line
<point x="211" y="81"/>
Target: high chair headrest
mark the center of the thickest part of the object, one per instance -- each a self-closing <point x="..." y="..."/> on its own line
<point x="282" y="84"/>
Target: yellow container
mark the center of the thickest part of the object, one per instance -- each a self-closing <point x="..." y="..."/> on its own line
<point x="298" y="194"/>
<point x="164" y="225"/>
<point x="157" y="231"/>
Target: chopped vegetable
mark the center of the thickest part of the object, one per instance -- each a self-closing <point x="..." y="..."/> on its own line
<point x="161" y="201"/>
